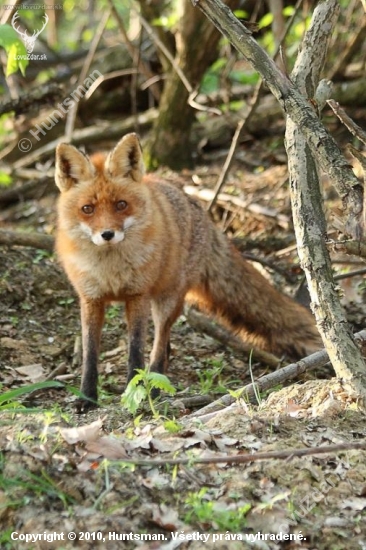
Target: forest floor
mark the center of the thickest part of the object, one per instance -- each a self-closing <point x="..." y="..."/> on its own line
<point x="65" y="473"/>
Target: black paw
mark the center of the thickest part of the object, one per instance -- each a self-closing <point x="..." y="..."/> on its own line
<point x="83" y="406"/>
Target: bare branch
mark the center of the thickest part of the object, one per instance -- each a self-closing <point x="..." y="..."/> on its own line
<point x="347" y="121"/>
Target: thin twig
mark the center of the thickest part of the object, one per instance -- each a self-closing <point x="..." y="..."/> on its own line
<point x="71" y="115"/>
<point x="141" y="65"/>
<point x="242" y="124"/>
<point x="356" y="273"/>
<point x="228" y="161"/>
<point x="113" y="74"/>
<point x="245" y="458"/>
<point x="347" y="121"/>
<point x="192" y="92"/>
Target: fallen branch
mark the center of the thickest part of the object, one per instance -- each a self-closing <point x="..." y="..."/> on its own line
<point x="313" y="361"/>
<point x="28" y="190"/>
<point x="208" y="195"/>
<point x="33" y="100"/>
<point x="245" y="458"/>
<point x="34" y="240"/>
<point x="355" y="248"/>
<point x="91" y="134"/>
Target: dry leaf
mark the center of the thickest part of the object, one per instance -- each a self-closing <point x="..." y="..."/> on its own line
<point x="108" y="447"/>
<point x="165" y="517"/>
<point x="34" y="373"/>
<point x="87" y="433"/>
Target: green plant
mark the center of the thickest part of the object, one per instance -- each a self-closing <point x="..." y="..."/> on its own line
<point x="113" y="312"/>
<point x="142" y="387"/>
<point x="5" y="539"/>
<point x="66" y="302"/>
<point x="15" y="49"/>
<point x="172" y="426"/>
<point x="18" y="489"/>
<point x="210" y="377"/>
<point x="5" y="179"/>
<point x="41" y="255"/>
<point x="203" y="510"/>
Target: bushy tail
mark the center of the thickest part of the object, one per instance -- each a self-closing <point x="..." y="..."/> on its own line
<point x="235" y="292"/>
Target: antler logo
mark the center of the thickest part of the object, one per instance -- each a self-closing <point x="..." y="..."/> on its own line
<point x="29" y="41"/>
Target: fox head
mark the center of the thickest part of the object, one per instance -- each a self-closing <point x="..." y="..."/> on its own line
<point x="101" y="196"/>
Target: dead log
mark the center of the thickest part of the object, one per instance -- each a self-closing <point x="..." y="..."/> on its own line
<point x="34" y="240"/>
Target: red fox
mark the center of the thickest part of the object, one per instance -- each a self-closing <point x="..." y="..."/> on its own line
<point x="123" y="236"/>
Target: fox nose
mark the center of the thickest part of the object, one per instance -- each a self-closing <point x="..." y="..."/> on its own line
<point x="108" y="235"/>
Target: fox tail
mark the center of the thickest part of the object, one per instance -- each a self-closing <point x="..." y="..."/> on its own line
<point x="236" y="293"/>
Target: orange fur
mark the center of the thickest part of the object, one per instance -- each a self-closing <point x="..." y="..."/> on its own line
<point x="123" y="236"/>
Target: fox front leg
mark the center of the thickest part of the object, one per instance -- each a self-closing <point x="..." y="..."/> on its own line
<point x="92" y="319"/>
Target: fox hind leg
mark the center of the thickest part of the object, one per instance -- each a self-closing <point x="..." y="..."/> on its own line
<point x="137" y="311"/>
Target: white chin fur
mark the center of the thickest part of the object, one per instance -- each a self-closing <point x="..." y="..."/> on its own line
<point x="99" y="241"/>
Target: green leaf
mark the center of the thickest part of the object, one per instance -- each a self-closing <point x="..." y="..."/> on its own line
<point x="241" y="14"/>
<point x="133" y="396"/>
<point x="266" y="20"/>
<point x="172" y="426"/>
<point x="160" y="381"/>
<point x="5" y="179"/>
<point x="15" y="48"/>
<point x="288" y="11"/>
<point x="9" y="396"/>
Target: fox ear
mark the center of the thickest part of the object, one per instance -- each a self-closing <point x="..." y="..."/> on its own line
<point x="71" y="166"/>
<point x="126" y="158"/>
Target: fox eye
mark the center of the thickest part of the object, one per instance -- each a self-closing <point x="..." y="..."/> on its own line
<point x="88" y="209"/>
<point x="121" y="205"/>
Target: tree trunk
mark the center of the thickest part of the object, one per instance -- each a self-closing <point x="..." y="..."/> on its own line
<point x="309" y="220"/>
<point x="196" y="43"/>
